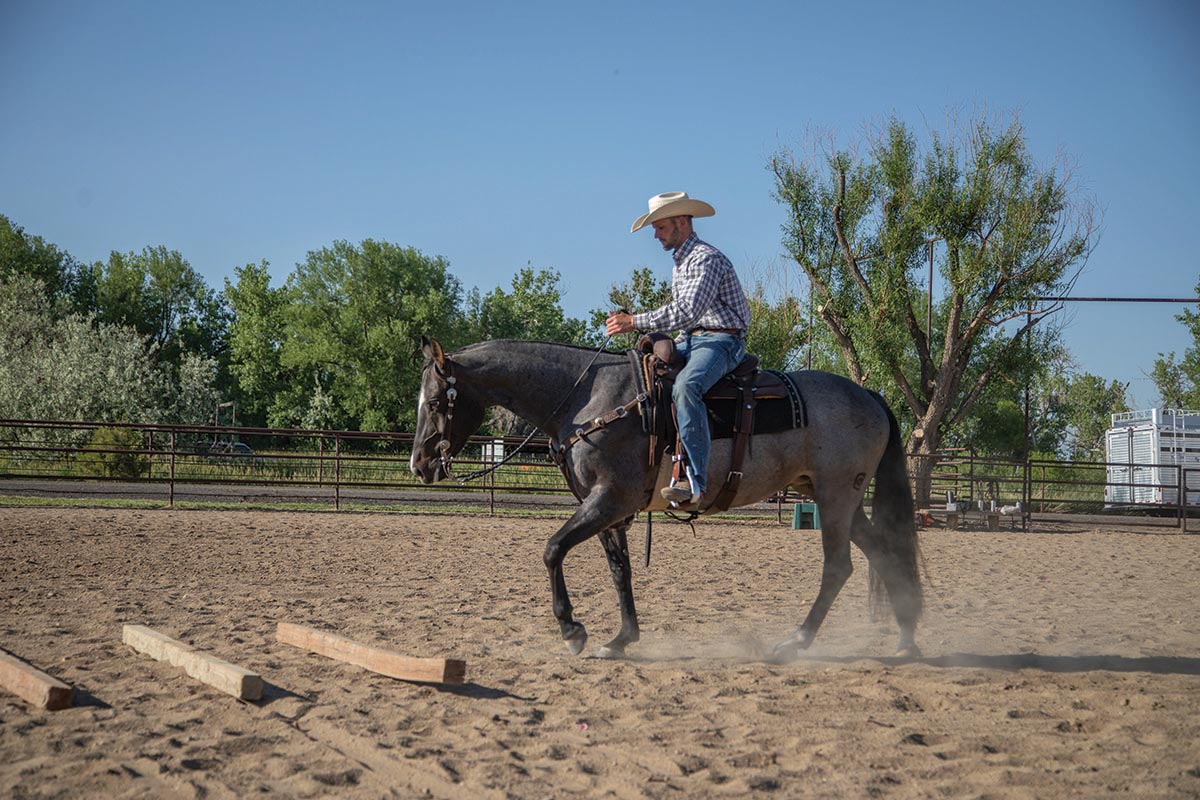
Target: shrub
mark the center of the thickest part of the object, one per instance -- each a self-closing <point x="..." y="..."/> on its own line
<point x="118" y="454"/>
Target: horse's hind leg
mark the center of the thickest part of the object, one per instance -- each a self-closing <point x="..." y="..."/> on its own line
<point x="835" y="541"/>
<point x="902" y="585"/>
<point x="616" y="548"/>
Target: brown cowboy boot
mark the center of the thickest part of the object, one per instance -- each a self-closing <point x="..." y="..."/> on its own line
<point x="678" y="493"/>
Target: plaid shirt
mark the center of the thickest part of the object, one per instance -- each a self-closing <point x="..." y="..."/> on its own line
<point x="705" y="292"/>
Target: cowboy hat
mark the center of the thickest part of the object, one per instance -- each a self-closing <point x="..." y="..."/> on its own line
<point x="672" y="204"/>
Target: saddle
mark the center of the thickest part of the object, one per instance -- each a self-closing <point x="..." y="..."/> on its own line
<point x="742" y="403"/>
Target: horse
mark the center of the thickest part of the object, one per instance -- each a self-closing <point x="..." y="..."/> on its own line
<point x="564" y="389"/>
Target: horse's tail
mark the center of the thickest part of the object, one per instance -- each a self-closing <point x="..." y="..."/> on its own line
<point x="895" y="529"/>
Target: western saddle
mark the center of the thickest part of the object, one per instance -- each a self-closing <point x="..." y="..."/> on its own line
<point x="738" y="395"/>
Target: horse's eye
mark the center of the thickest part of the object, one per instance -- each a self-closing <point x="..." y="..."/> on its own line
<point x="433" y="404"/>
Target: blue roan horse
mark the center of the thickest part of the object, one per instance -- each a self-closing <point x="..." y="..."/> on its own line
<point x="853" y="437"/>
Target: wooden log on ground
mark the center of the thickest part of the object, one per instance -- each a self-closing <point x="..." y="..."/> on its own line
<point x="32" y="685"/>
<point x="229" y="678"/>
<point x="385" y="662"/>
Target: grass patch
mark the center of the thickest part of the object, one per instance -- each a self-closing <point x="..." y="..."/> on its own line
<point x="24" y="501"/>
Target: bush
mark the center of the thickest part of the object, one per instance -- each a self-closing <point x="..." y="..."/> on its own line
<point x="119" y="456"/>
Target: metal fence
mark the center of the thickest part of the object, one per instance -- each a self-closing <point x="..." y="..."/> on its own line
<point x="196" y="463"/>
<point x="171" y="463"/>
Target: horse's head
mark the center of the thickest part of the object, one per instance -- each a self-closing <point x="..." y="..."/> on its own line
<point x="447" y="414"/>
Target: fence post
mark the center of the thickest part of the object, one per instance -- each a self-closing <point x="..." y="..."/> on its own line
<point x="1027" y="492"/>
<point x="1181" y="498"/>
<point x="171" y="480"/>
<point x="337" y="472"/>
<point x="1185" y="486"/>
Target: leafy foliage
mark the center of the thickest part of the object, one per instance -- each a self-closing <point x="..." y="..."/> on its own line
<point x="77" y="369"/>
<point x="114" y="454"/>
<point x="778" y="327"/>
<point x="158" y="294"/>
<point x="862" y="228"/>
<point x="532" y="310"/>
<point x="1178" y="382"/>
<point x="256" y="335"/>
<point x="352" y="323"/>
<point x="66" y="284"/>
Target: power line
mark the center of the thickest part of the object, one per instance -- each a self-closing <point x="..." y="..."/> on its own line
<point x="1118" y="299"/>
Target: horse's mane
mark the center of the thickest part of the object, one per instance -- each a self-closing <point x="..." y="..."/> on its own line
<point x="490" y="342"/>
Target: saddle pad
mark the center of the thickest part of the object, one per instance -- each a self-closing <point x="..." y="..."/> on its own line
<point x="771" y="415"/>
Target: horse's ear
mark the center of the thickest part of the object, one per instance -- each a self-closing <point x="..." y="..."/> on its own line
<point x="433" y="350"/>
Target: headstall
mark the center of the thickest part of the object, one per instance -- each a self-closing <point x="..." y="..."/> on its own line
<point x="443" y="447"/>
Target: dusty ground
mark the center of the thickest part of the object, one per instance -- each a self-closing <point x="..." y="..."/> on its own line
<point x="1055" y="663"/>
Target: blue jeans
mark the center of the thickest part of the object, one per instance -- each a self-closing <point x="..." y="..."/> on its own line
<point x="710" y="356"/>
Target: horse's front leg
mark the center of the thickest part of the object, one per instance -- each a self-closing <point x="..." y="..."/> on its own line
<point x="616" y="548"/>
<point x="593" y="516"/>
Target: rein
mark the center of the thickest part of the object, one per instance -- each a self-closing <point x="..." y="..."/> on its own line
<point x="452" y="394"/>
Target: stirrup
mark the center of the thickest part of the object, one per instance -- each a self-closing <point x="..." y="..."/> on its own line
<point x="679" y="493"/>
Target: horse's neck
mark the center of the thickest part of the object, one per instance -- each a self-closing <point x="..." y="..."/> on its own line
<point x="533" y="381"/>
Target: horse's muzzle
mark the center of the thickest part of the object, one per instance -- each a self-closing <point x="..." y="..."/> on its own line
<point x="429" y="470"/>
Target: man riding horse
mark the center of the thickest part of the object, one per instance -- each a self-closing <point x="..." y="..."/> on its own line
<point x="709" y="309"/>
<point x="602" y="447"/>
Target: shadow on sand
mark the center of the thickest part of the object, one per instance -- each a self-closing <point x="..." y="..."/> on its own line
<point x="1158" y="665"/>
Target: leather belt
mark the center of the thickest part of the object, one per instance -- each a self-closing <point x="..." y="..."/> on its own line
<point x="733" y="331"/>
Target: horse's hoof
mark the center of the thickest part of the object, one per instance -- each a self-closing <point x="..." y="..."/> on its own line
<point x="789" y="649"/>
<point x="611" y="650"/>
<point x="908" y="651"/>
<point x="576" y="640"/>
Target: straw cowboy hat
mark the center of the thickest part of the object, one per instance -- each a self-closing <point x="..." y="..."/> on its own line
<point x="672" y="204"/>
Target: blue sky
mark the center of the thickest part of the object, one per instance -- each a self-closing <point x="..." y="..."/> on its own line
<point x="505" y="135"/>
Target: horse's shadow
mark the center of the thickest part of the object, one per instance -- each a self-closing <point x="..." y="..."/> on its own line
<point x="478" y="692"/>
<point x="273" y="693"/>
<point x="1158" y="665"/>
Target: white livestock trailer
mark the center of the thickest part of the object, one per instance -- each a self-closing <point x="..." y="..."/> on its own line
<point x="1146" y="451"/>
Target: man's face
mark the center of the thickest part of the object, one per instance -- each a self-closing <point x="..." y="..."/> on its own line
<point x="671" y="231"/>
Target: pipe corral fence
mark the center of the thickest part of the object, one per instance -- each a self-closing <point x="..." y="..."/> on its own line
<point x="172" y="464"/>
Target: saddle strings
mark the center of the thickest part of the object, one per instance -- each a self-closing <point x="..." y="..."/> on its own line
<point x="479" y="473"/>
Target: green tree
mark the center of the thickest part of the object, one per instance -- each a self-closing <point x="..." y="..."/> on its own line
<point x="193" y="391"/>
<point x="1089" y="405"/>
<point x="353" y="326"/>
<point x="1178" y="382"/>
<point x="71" y="368"/>
<point x="1020" y="410"/>
<point x="779" y="323"/>
<point x="66" y="283"/>
<point x="256" y="335"/>
<point x="1008" y="232"/>
<point x="532" y="310"/>
<point x="160" y="295"/>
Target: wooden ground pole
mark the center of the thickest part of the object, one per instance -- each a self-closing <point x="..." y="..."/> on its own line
<point x="385" y="662"/>
<point x="229" y="678"/>
<point x="33" y="685"/>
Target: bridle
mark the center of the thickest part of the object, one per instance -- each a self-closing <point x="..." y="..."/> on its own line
<point x="443" y="446"/>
